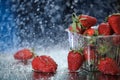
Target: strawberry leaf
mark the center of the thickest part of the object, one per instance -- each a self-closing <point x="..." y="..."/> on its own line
<point x="80" y="51"/>
<point x="76" y="24"/>
<point x="103" y="49"/>
<point x="74" y="18"/>
<point x="74" y="27"/>
<point x="79" y="25"/>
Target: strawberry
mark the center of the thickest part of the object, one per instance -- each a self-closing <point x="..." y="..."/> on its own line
<point x="89" y="52"/>
<point x="108" y="66"/>
<point x="44" y="64"/>
<point x="23" y="54"/>
<point x="114" y="21"/>
<point x="89" y="32"/>
<point x="105" y="29"/>
<point x="75" y="60"/>
<point x="87" y="21"/>
<point x="82" y="22"/>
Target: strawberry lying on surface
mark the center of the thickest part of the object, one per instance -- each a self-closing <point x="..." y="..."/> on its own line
<point x="23" y="54"/>
<point x="108" y="66"/>
<point x="44" y="64"/>
<point x="114" y="21"/>
<point x="105" y="29"/>
<point x="75" y="60"/>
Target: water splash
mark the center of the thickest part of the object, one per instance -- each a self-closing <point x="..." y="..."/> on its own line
<point x="41" y="24"/>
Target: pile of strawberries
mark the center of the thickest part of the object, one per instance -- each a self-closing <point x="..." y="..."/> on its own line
<point x="83" y="25"/>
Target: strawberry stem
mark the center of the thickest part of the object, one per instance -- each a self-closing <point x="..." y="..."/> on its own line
<point x="34" y="54"/>
<point x="96" y="33"/>
<point x="106" y="19"/>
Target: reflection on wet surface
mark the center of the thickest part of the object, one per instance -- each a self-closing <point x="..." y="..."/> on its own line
<point x="28" y="74"/>
<point x="54" y="76"/>
<point x="11" y="69"/>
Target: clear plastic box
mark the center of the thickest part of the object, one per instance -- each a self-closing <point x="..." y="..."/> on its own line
<point x="96" y="47"/>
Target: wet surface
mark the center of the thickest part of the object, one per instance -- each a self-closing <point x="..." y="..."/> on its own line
<point x="11" y="69"/>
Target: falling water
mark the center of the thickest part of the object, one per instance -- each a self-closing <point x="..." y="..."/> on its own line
<point x="41" y="24"/>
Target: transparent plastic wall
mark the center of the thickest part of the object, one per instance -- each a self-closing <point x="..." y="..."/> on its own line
<point x="96" y="48"/>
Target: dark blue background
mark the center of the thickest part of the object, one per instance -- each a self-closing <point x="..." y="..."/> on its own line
<point x="43" y="22"/>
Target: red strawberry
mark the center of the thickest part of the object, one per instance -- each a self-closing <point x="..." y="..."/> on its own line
<point x="89" y="52"/>
<point x="105" y="29"/>
<point x="108" y="66"/>
<point x="75" y="60"/>
<point x="89" y="32"/>
<point x="44" y="64"/>
<point x="23" y="54"/>
<point x="87" y="21"/>
<point x="114" y="21"/>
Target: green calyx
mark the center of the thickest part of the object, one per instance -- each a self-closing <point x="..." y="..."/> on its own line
<point x="76" y="23"/>
<point x="103" y="49"/>
<point x="106" y="19"/>
<point x="96" y="33"/>
<point x="79" y="51"/>
<point x="91" y="40"/>
<point x="33" y="50"/>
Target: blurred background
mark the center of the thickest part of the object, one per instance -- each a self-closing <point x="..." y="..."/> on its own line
<point x="42" y="23"/>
